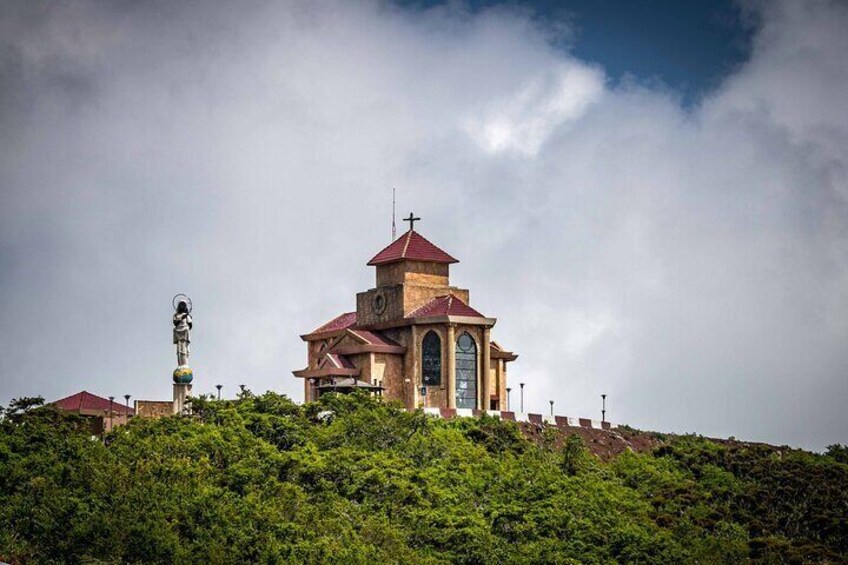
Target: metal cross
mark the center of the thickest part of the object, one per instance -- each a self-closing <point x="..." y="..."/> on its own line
<point x="411" y="219"/>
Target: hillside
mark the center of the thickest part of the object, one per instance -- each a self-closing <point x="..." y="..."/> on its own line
<point x="352" y="480"/>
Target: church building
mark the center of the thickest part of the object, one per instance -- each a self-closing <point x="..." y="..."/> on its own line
<point x="413" y="338"/>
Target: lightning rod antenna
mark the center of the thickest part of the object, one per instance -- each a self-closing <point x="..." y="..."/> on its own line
<point x="394" y="227"/>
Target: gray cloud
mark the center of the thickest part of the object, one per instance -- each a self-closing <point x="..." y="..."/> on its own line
<point x="691" y="263"/>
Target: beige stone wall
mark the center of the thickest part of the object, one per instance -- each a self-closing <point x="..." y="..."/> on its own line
<point x="416" y="272"/>
<point x="405" y="287"/>
<point x="153" y="408"/>
<point x="416" y="296"/>
<point x="402" y="368"/>
<point x="345" y="341"/>
<point x="401" y="300"/>
<point x="308" y="391"/>
<point x="390" y="367"/>
<point x="504" y="399"/>
<point x="498" y="382"/>
<point x="365" y="312"/>
<point x="362" y="361"/>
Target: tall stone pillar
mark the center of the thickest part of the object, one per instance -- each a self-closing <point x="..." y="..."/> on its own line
<point x="451" y="376"/>
<point x="486" y="377"/>
<point x="181" y="393"/>
<point x="413" y="378"/>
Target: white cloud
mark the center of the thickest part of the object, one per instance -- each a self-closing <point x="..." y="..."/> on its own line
<point x="692" y="264"/>
<point x="521" y="122"/>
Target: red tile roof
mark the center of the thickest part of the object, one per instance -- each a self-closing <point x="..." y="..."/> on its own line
<point x="340" y="361"/>
<point x="411" y="246"/>
<point x="85" y="401"/>
<point x="341" y="322"/>
<point x="448" y="305"/>
<point x="373" y="338"/>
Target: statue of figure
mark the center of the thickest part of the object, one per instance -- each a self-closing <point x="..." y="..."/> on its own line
<point x="182" y="330"/>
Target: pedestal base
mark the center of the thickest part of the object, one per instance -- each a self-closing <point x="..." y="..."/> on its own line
<point x="181" y="394"/>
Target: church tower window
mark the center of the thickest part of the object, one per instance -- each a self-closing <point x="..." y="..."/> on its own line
<point x="431" y="359"/>
<point x="466" y="372"/>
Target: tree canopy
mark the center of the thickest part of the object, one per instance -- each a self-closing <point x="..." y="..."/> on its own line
<point x="351" y="479"/>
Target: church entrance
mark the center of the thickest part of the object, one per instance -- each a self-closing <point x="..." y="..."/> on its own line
<point x="466" y="372"/>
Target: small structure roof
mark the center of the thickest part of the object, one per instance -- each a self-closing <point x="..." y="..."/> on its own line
<point x="340" y="322"/>
<point x="411" y="246"/>
<point x="85" y="402"/>
<point x="498" y="352"/>
<point x="448" y="305"/>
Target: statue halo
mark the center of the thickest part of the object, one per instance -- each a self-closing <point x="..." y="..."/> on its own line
<point x="179" y="298"/>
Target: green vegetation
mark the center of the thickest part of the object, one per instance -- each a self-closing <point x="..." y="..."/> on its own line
<point x="353" y="480"/>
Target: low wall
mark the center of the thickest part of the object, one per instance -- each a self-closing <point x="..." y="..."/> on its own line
<point x="538" y="419"/>
<point x="154" y="408"/>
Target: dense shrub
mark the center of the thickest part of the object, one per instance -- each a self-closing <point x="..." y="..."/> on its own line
<point x="353" y="480"/>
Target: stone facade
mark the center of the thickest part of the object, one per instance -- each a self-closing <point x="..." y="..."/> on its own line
<point x="381" y="345"/>
<point x="153" y="408"/>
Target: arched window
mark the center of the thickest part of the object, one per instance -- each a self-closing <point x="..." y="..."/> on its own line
<point x="431" y="359"/>
<point x="466" y="372"/>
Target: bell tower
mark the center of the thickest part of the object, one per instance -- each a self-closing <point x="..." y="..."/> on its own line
<point x="410" y="272"/>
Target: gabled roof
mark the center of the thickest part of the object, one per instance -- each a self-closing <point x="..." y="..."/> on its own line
<point x="411" y="246"/>
<point x="373" y="338"/>
<point x="330" y="365"/>
<point x="498" y="352"/>
<point x="448" y="305"/>
<point x="86" y="402"/>
<point x="341" y="322"/>
<point x="337" y="361"/>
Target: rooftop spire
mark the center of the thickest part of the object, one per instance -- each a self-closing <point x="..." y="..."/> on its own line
<point x="394" y="229"/>
<point x="411" y="219"/>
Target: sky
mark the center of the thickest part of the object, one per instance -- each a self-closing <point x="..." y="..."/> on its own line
<point x="652" y="202"/>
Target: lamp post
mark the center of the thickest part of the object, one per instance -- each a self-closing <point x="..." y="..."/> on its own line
<point x="508" y="390"/>
<point x="111" y="402"/>
<point x="522" y="396"/>
<point x="127" y="412"/>
<point x="552" y="407"/>
<point x="219" y="387"/>
<point x="603" y="408"/>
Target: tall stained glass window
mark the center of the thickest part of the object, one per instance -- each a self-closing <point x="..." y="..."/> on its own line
<point x="466" y="372"/>
<point x="431" y="359"/>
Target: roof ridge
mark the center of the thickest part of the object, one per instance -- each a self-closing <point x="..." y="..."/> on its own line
<point x="320" y="329"/>
<point x="411" y="246"/>
<point x="406" y="244"/>
<point x="444" y="305"/>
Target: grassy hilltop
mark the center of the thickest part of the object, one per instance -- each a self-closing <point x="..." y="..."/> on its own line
<point x="353" y="480"/>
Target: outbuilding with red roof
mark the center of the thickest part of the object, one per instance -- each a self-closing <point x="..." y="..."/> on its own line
<point x="102" y="413"/>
